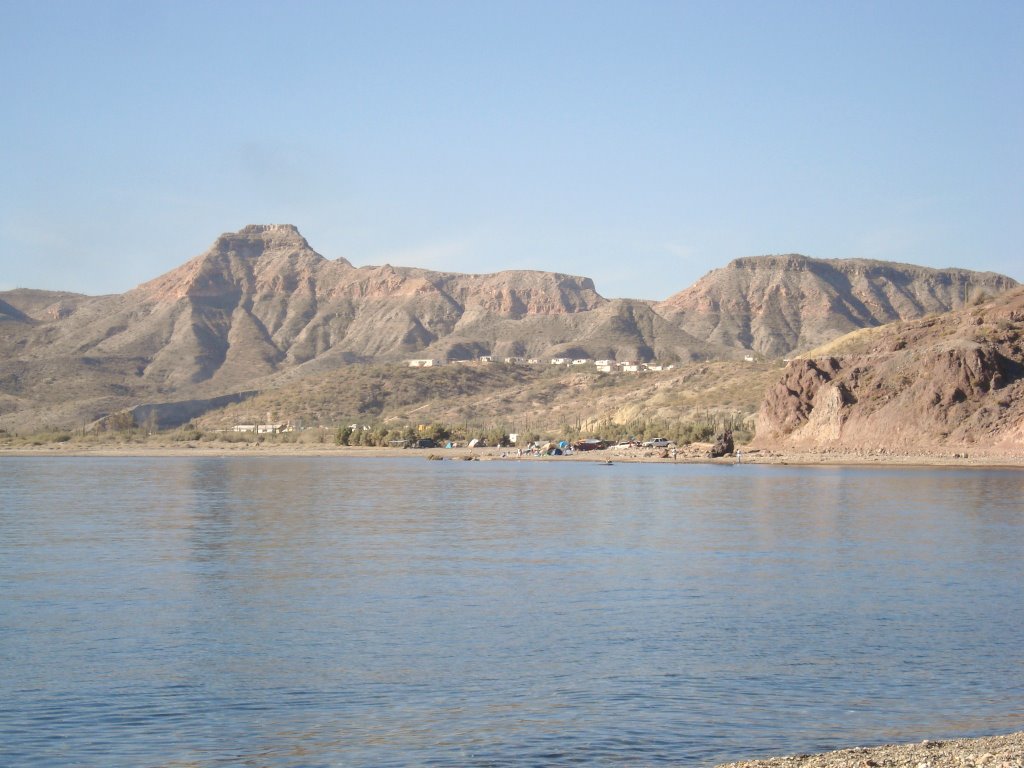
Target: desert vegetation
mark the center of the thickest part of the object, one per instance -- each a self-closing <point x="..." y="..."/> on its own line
<point x="382" y="405"/>
<point x="392" y="402"/>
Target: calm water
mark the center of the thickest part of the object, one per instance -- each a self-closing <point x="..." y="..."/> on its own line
<point x="359" y="612"/>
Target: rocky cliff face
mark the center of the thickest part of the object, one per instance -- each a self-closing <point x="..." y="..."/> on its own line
<point x="778" y="305"/>
<point x="954" y="382"/>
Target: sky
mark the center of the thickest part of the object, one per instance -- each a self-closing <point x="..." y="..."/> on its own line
<point x="641" y="144"/>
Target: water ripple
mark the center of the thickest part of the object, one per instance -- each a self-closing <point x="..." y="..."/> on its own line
<point x="324" y="612"/>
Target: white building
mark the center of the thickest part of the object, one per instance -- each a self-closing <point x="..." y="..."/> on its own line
<point x="262" y="429"/>
<point x="423" y="363"/>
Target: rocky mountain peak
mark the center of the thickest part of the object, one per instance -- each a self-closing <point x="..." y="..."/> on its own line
<point x="793" y="262"/>
<point x="275" y="255"/>
<point x="253" y="240"/>
<point x="256" y="229"/>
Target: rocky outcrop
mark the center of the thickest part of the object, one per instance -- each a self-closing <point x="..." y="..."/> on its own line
<point x="947" y="383"/>
<point x="788" y="405"/>
<point x="723" y="445"/>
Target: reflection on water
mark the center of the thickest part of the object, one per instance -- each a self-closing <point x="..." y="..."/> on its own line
<point x="302" y="612"/>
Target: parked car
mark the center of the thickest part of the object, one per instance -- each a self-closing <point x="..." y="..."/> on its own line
<point x="426" y="442"/>
<point x="657" y="442"/>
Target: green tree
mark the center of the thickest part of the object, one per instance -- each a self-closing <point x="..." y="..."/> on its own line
<point x="439" y="433"/>
<point x="380" y="436"/>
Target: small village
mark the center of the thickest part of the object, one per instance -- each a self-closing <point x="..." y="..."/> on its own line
<point x="602" y="366"/>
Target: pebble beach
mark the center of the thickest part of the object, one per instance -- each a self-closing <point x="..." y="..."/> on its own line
<point x="685" y="454"/>
<point x="1005" y="751"/>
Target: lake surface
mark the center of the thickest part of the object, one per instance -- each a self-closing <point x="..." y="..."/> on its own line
<point x="393" y="612"/>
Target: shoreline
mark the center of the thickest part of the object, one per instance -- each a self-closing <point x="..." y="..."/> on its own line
<point x="1003" y="751"/>
<point x="686" y="455"/>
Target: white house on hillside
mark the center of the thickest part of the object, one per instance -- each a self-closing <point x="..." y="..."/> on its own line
<point x="262" y="429"/>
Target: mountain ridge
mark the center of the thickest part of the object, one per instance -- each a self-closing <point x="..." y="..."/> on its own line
<point x="261" y="303"/>
<point x="777" y="305"/>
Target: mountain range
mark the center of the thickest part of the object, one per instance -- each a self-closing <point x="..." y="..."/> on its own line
<point x="261" y="307"/>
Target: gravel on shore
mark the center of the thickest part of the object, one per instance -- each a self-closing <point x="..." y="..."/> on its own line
<point x="685" y="455"/>
<point x="1005" y="751"/>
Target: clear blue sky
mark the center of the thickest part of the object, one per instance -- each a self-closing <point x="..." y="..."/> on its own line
<point x="639" y="143"/>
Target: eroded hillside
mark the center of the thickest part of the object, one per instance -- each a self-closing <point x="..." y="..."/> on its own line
<point x="778" y="305"/>
<point x="952" y="382"/>
<point x="542" y="398"/>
